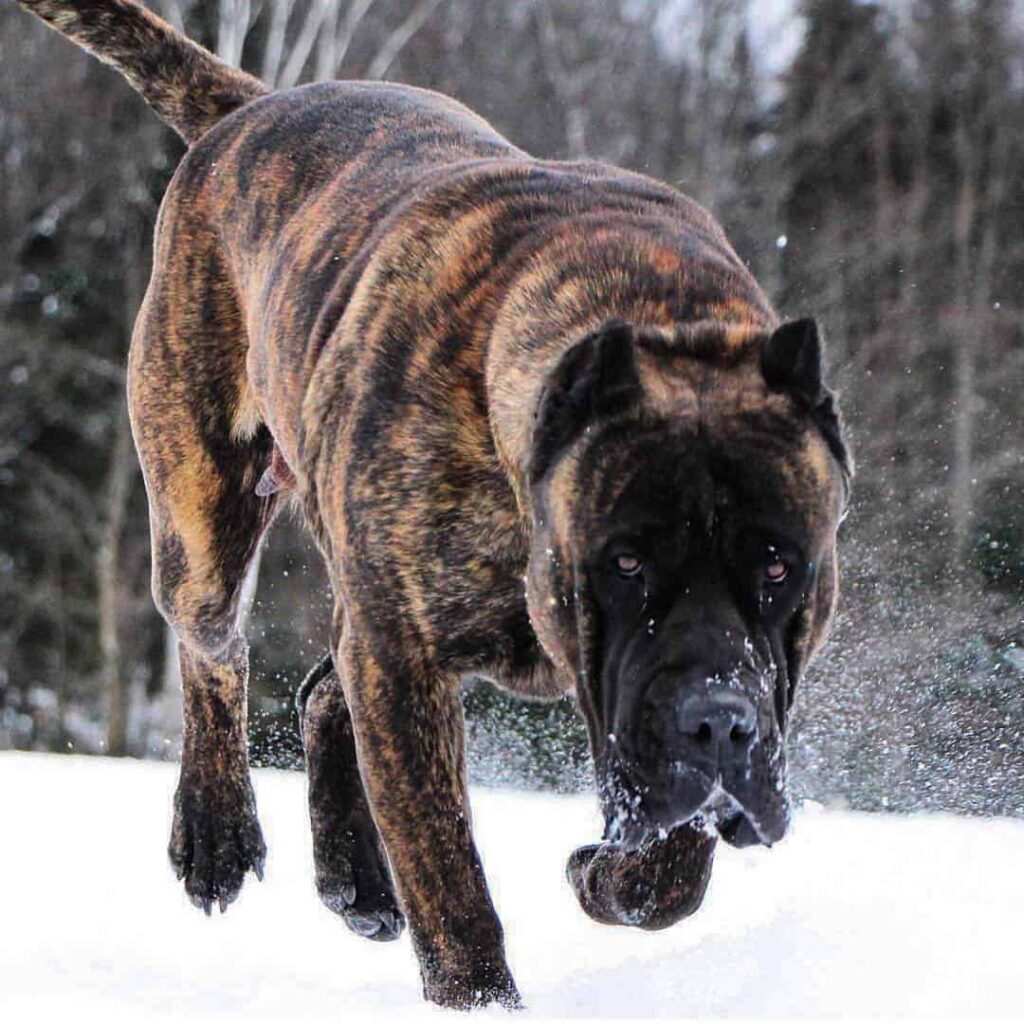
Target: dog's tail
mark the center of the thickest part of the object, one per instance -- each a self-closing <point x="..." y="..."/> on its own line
<point x="187" y="86"/>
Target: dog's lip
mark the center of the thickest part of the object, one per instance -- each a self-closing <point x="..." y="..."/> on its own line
<point x="722" y="808"/>
<point x="640" y="778"/>
<point x="718" y="810"/>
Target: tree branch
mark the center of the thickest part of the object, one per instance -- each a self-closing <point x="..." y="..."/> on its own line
<point x="397" y="40"/>
<point x="303" y="45"/>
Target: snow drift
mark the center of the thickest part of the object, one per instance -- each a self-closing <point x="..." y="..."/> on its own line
<point x="852" y="914"/>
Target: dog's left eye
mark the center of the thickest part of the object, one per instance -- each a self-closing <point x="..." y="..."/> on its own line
<point x="777" y="569"/>
<point x="627" y="565"/>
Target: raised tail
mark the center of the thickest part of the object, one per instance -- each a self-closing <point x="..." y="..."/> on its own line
<point x="186" y="85"/>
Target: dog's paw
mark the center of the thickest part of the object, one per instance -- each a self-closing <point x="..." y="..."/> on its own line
<point x="651" y="887"/>
<point x="487" y="984"/>
<point x="371" y="922"/>
<point x="215" y="840"/>
<point x="353" y="880"/>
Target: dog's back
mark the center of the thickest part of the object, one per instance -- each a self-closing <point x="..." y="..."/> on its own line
<point x="340" y="206"/>
<point x="295" y="209"/>
<point x="300" y="186"/>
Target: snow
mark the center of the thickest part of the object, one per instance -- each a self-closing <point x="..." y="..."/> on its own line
<point x="851" y="915"/>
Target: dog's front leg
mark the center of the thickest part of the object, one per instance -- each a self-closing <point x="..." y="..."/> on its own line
<point x="352" y="874"/>
<point x="216" y="837"/>
<point x="409" y="737"/>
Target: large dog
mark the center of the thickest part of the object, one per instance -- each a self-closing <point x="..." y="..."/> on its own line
<point x="545" y="427"/>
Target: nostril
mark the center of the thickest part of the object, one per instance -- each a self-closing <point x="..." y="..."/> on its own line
<point x="704" y="733"/>
<point x="739" y="734"/>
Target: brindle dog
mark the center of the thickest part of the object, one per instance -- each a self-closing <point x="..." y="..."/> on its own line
<point x="475" y="369"/>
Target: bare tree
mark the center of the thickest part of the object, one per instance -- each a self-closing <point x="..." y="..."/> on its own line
<point x="342" y="40"/>
<point x="569" y="85"/>
<point x="399" y="37"/>
<point x="108" y="589"/>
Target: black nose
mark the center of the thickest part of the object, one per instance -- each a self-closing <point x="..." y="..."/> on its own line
<point x="719" y="727"/>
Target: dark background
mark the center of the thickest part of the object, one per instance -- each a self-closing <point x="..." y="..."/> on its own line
<point x="866" y="159"/>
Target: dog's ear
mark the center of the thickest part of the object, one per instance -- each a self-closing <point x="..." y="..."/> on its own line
<point x="595" y="379"/>
<point x="792" y="360"/>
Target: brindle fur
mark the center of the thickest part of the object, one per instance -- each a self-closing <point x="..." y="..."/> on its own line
<point x="352" y="873"/>
<point x="371" y="278"/>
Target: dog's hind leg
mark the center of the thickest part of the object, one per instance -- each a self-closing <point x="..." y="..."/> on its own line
<point x="352" y="874"/>
<point x="187" y="396"/>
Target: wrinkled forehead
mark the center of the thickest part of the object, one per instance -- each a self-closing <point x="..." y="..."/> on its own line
<point x="751" y="465"/>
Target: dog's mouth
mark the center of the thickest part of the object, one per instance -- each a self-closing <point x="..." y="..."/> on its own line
<point x="736" y="824"/>
<point x="641" y="811"/>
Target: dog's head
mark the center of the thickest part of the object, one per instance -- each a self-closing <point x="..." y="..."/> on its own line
<point x="686" y="492"/>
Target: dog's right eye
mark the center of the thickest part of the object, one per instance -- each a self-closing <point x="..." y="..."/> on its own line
<point x="628" y="565"/>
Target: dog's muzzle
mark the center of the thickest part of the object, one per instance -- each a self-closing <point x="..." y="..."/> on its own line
<point x="698" y="750"/>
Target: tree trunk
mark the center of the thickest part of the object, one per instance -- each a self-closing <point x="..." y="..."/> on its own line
<point x="565" y="84"/>
<point x="115" y="684"/>
<point x="115" y="507"/>
<point x="961" y="501"/>
<point x="399" y="37"/>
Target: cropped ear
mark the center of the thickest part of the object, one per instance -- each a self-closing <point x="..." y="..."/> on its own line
<point x="792" y="361"/>
<point x="595" y="379"/>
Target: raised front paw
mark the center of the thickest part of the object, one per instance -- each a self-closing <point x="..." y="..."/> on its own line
<point x="352" y="874"/>
<point x="353" y="880"/>
<point x="651" y="887"/>
<point x="215" y="840"/>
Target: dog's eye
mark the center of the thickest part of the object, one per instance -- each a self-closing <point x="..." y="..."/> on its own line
<point x="777" y="569"/>
<point x="627" y="565"/>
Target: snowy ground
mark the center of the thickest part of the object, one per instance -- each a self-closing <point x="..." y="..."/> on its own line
<point x="851" y="915"/>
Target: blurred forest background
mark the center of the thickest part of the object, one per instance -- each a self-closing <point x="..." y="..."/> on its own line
<point x="865" y="158"/>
